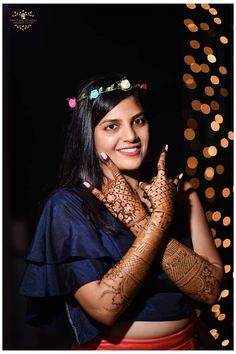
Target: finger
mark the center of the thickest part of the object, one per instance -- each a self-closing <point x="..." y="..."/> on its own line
<point x="178" y="178"/>
<point x="110" y="164"/>
<point x="161" y="165"/>
<point x="143" y="186"/>
<point x="98" y="194"/>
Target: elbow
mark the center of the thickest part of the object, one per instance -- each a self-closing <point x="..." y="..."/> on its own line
<point x="107" y="320"/>
<point x="211" y="299"/>
<point x="105" y="317"/>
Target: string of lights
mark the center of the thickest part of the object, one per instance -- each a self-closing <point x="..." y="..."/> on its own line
<point x="209" y="139"/>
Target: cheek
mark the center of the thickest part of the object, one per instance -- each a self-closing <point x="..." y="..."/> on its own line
<point x="144" y="136"/>
<point x="103" y="141"/>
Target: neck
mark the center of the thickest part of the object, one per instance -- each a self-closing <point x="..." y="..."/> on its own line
<point x="133" y="178"/>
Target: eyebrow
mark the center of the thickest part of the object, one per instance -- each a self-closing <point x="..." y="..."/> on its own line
<point x="116" y="120"/>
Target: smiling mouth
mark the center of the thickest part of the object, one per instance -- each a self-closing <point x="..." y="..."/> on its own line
<point x="130" y="151"/>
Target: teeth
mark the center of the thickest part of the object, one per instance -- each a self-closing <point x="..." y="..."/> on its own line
<point x="129" y="150"/>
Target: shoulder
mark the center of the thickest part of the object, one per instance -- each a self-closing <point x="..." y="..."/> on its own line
<point x="64" y="195"/>
<point x="66" y="202"/>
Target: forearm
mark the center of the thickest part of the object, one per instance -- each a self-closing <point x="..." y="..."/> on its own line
<point x="137" y="227"/>
<point x="119" y="286"/>
<point x="193" y="274"/>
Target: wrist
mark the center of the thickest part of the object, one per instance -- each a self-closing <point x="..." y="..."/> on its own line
<point x="161" y="219"/>
<point x="139" y="225"/>
<point x="171" y="248"/>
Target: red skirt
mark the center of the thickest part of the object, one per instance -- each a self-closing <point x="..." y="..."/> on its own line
<point x="181" y="340"/>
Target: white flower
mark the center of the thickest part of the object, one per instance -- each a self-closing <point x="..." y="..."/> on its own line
<point x="125" y="84"/>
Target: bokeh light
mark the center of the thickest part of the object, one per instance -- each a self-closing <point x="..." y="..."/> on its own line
<point x="212" y="150"/>
<point x="226" y="243"/>
<point x="189" y="134"/>
<point x="208" y="50"/>
<point x="226" y="221"/>
<point x="205" y="68"/>
<point x="204" y="26"/>
<point x="217" y="20"/>
<point x="211" y="58"/>
<point x="219" y="118"/>
<point x="216" y="215"/>
<point x="223" y="70"/>
<point x="210" y="192"/>
<point x="224" y="142"/>
<point x="196" y="105"/>
<point x="194" y="44"/>
<point x="205" y="6"/>
<point x="224" y="39"/>
<point x="209" y="91"/>
<point x="213" y="11"/>
<point x="231" y="135"/>
<point x="215" y="126"/>
<point x="227" y="268"/>
<point x="192" y="162"/>
<point x="209" y="135"/>
<point x="209" y="173"/>
<point x="220" y="169"/>
<point x="215" y="105"/>
<point x="226" y="192"/>
<point x="205" y="108"/>
<point x="214" y="79"/>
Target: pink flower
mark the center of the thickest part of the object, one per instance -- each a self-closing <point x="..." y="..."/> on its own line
<point x="72" y="102"/>
<point x="144" y="87"/>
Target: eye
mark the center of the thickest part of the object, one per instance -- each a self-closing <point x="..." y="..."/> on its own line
<point x="111" y="126"/>
<point x="139" y="121"/>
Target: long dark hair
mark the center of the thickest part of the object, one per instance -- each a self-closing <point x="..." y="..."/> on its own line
<point x="80" y="162"/>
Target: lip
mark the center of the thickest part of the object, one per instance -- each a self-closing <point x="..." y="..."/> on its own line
<point x="130" y="151"/>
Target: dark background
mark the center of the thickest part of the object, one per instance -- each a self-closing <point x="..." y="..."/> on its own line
<point x="42" y="66"/>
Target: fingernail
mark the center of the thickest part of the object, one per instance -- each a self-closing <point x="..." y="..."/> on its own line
<point x="166" y="147"/>
<point x="86" y="184"/>
<point x="104" y="155"/>
<point x="181" y="175"/>
<point x="140" y="183"/>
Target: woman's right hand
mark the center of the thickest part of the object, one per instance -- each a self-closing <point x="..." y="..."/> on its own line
<point x="161" y="192"/>
<point x="120" y="199"/>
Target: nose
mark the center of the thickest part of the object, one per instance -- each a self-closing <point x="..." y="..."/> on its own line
<point x="130" y="133"/>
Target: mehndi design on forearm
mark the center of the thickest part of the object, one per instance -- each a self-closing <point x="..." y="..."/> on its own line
<point x="125" y="278"/>
<point x="193" y="274"/>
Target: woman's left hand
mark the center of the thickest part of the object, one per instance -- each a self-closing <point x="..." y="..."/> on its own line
<point x="121" y="200"/>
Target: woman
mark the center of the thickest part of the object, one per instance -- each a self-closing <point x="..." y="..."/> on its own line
<point x="124" y="259"/>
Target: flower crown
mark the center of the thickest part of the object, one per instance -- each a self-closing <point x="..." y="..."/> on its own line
<point x="123" y="85"/>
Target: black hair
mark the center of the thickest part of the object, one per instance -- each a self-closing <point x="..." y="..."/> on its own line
<point x="80" y="162"/>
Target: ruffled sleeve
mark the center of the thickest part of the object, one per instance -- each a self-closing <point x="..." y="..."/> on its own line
<point x="66" y="251"/>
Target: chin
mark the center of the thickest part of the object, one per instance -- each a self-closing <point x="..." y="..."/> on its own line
<point x="129" y="167"/>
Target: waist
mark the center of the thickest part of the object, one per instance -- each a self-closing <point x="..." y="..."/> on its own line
<point x="181" y="340"/>
<point x="145" y="329"/>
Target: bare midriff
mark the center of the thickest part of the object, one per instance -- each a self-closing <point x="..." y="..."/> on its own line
<point x="145" y="329"/>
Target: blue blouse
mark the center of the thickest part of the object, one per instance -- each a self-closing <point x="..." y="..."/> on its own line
<point x="68" y="251"/>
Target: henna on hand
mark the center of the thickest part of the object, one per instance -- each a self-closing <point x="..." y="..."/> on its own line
<point x="121" y="200"/>
<point x="122" y="282"/>
<point x="193" y="274"/>
<point x="161" y="192"/>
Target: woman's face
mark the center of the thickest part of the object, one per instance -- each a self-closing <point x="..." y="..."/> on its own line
<point x="123" y="134"/>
